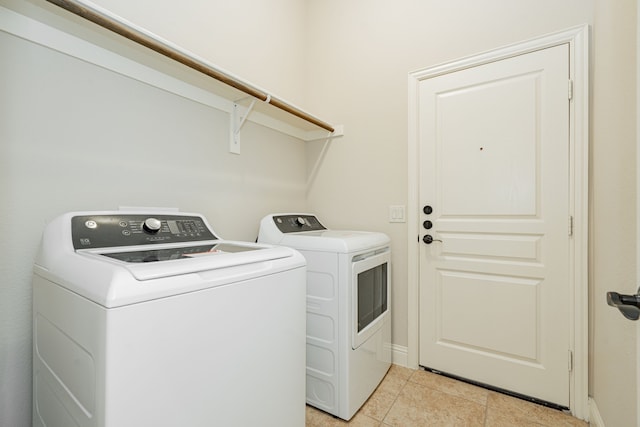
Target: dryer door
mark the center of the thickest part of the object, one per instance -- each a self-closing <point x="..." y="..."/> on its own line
<point x="371" y="291"/>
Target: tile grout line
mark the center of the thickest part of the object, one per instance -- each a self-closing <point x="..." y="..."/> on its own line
<point x="486" y="402"/>
<point x="395" y="399"/>
<point x="486" y="411"/>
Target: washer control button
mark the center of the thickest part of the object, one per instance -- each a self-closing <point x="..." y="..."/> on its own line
<point x="152" y="225"/>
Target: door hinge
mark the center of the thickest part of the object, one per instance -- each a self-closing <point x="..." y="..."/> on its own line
<point x="570" y="225"/>
<point x="570" y="90"/>
<point x="570" y="360"/>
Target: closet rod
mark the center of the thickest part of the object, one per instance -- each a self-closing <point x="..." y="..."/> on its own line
<point x="182" y="57"/>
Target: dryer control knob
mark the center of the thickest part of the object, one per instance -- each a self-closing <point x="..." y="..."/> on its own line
<point x="152" y="225"/>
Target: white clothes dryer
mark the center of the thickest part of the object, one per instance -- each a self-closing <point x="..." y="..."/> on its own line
<point x="348" y="308"/>
<point x="147" y="318"/>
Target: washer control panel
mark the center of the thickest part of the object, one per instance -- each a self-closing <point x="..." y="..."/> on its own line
<point x="295" y="223"/>
<point x="104" y="231"/>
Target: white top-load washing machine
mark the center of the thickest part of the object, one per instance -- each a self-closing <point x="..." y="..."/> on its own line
<point x="147" y="318"/>
<point x="348" y="308"/>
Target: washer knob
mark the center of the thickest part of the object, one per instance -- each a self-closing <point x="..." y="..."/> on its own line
<point x="300" y="221"/>
<point x="152" y="225"/>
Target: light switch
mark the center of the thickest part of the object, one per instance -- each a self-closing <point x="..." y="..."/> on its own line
<point x="397" y="213"/>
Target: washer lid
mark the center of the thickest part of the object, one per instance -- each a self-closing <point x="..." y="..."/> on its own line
<point x="110" y="282"/>
<point x="151" y="254"/>
<point x="153" y="263"/>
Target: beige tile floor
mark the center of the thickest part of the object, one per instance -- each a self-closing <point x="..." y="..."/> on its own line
<point x="407" y="398"/>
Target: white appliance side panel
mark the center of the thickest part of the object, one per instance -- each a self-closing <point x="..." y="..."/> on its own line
<point x="323" y="317"/>
<point x="354" y="374"/>
<point x="68" y="358"/>
<point x="229" y="355"/>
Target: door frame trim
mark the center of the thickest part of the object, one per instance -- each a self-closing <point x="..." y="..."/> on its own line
<point x="578" y="40"/>
<point x="638" y="203"/>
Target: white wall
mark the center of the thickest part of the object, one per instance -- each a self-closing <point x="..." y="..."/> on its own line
<point x="613" y="379"/>
<point x="74" y="136"/>
<point x="261" y="41"/>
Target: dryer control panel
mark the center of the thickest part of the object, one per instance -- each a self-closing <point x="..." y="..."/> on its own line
<point x="294" y="223"/>
<point x="104" y="231"/>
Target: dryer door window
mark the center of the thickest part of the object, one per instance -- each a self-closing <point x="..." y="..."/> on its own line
<point x="371" y="296"/>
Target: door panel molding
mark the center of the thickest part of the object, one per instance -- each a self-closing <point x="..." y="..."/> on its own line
<point x="578" y="40"/>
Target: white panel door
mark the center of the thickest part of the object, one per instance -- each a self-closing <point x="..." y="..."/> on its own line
<point x="494" y="168"/>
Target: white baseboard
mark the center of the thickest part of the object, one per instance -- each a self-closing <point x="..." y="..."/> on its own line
<point x="595" y="420"/>
<point x="399" y="355"/>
